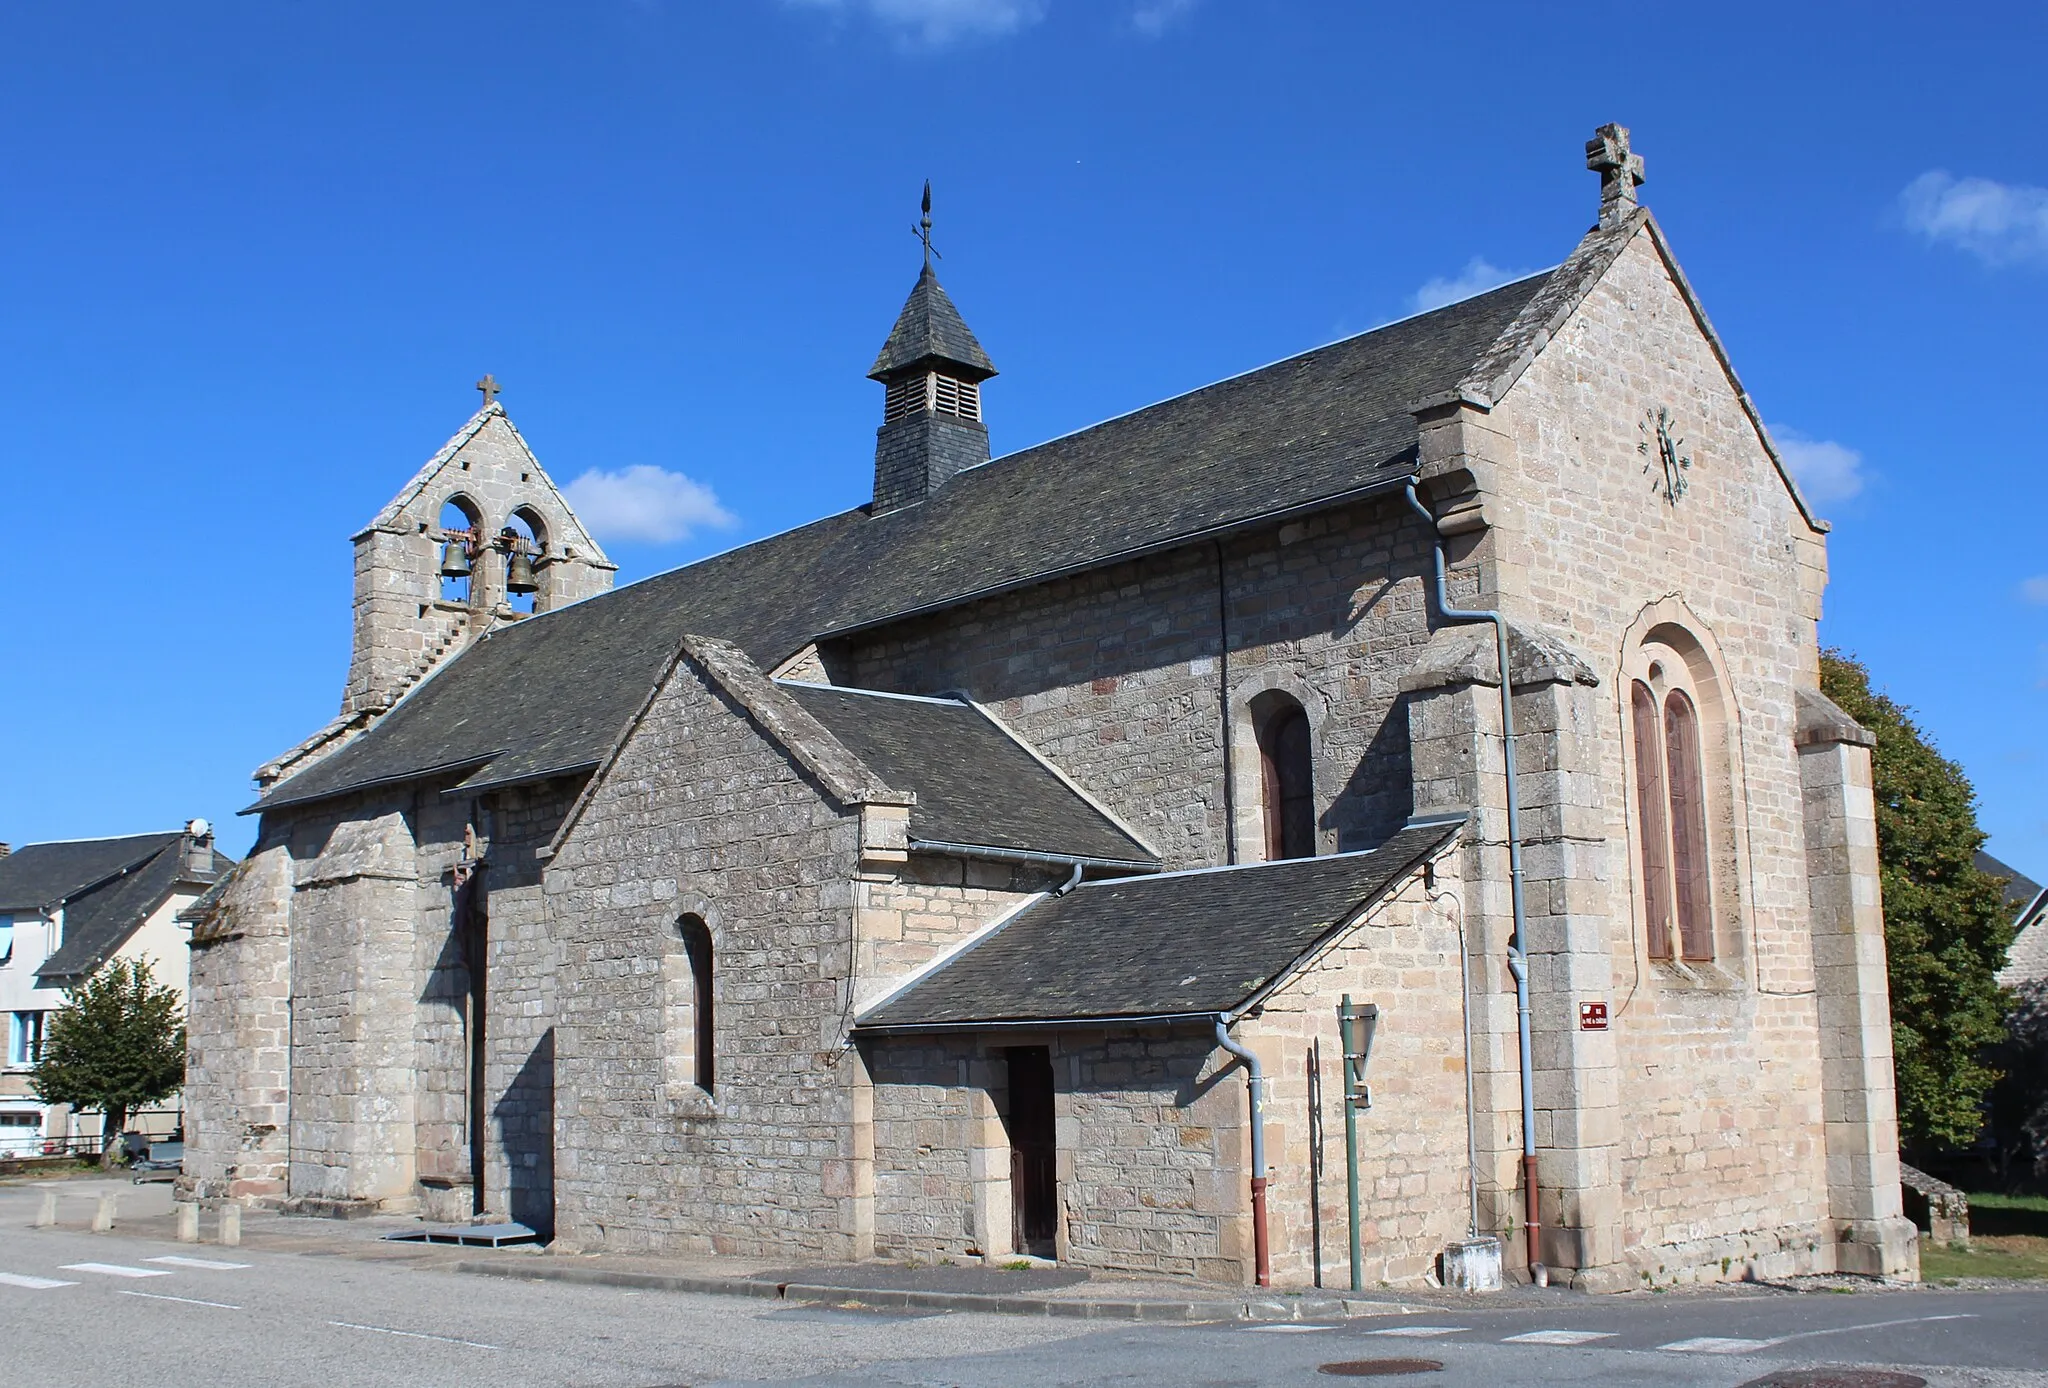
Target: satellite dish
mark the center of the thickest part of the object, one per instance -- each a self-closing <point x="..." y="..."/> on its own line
<point x="198" y="828"/>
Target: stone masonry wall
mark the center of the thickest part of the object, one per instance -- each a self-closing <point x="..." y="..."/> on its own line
<point x="1719" y="1074"/>
<point x="1413" y="1179"/>
<point x="702" y="813"/>
<point x="1151" y="1151"/>
<point x="238" y="1038"/>
<point x="1121" y="677"/>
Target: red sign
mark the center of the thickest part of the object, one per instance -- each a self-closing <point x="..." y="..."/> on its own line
<point x="1592" y="1016"/>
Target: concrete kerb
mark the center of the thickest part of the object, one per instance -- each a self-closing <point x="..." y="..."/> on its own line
<point x="900" y="1299"/>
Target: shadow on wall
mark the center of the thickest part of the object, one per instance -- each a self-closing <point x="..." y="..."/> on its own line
<point x="526" y="1128"/>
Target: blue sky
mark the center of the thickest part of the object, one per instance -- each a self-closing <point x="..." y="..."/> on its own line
<point x="253" y="255"/>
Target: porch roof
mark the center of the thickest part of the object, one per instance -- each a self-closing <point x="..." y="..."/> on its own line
<point x="1178" y="944"/>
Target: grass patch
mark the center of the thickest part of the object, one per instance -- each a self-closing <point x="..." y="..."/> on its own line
<point x="1989" y="1255"/>
<point x="2022" y="1215"/>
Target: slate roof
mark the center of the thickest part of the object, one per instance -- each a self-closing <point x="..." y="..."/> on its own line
<point x="974" y="783"/>
<point x="2020" y="889"/>
<point x="1175" y="945"/>
<point x="39" y="875"/>
<point x="930" y="329"/>
<point x="551" y="693"/>
<point x="107" y="888"/>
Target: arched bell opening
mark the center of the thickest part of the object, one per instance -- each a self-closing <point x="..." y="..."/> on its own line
<point x="461" y="545"/>
<point x="524" y="541"/>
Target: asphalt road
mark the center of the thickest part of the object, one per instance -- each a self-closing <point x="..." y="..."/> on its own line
<point x="91" y="1309"/>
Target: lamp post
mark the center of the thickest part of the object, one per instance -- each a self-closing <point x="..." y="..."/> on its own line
<point x="1355" y="1028"/>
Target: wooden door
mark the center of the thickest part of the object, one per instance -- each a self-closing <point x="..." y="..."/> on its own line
<point x="1034" y="1151"/>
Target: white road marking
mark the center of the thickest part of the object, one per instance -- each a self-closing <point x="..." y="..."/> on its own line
<point x="1876" y="1325"/>
<point x="1559" y="1337"/>
<point x="1419" y="1332"/>
<point x="34" y="1284"/>
<point x="1708" y="1344"/>
<point x="412" y="1334"/>
<point x="1714" y="1344"/>
<point x="208" y="1264"/>
<point x="183" y="1300"/>
<point x="1289" y="1329"/>
<point x="115" y="1270"/>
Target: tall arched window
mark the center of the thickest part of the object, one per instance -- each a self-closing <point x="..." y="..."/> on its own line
<point x="1671" y="816"/>
<point x="1287" y="766"/>
<point x="696" y="940"/>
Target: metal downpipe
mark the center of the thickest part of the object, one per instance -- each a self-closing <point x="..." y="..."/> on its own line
<point x="1518" y="957"/>
<point x="1261" y="1250"/>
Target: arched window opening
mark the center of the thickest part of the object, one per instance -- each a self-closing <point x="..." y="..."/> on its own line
<point x="1674" y="805"/>
<point x="1287" y="764"/>
<point x="524" y="541"/>
<point x="1652" y="829"/>
<point x="1688" y="827"/>
<point x="461" y="546"/>
<point x="702" y="1032"/>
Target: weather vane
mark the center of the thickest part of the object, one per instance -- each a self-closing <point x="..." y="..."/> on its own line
<point x="923" y="230"/>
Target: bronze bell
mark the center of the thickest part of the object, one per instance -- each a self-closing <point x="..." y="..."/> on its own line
<point x="519" y="574"/>
<point x="454" y="559"/>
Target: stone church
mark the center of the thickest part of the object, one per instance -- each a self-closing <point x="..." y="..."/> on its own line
<point x="979" y="872"/>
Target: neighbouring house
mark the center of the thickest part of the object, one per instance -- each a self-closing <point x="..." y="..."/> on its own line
<point x="66" y="908"/>
<point x="979" y="870"/>
<point x="2014" y="1146"/>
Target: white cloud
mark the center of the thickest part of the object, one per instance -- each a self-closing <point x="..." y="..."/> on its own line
<point x="1999" y="223"/>
<point x="1827" y="471"/>
<point x="1476" y="278"/>
<point x="937" y="23"/>
<point x="644" y="503"/>
<point x="1154" y="17"/>
<point x="2036" y="590"/>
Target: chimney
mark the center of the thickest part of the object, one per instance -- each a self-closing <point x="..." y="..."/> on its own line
<point x="198" y="849"/>
<point x="5" y="849"/>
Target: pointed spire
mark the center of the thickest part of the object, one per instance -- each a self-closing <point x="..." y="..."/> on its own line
<point x="933" y="368"/>
<point x="930" y="334"/>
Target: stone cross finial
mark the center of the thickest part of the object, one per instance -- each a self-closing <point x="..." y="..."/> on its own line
<point x="489" y="386"/>
<point x="1620" y="172"/>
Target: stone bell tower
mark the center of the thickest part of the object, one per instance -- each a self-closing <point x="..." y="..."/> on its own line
<point x="932" y="370"/>
<point x="426" y="587"/>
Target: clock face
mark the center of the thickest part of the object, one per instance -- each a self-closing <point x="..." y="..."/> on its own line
<point x="1664" y="457"/>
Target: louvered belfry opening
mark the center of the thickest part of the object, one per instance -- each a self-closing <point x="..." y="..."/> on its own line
<point x="931" y="370"/>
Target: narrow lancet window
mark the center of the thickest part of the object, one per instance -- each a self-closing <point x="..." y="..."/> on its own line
<point x="703" y="1021"/>
<point x="1688" y="827"/>
<point x="1652" y="829"/>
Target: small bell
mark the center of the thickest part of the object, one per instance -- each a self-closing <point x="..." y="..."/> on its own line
<point x="454" y="559"/>
<point x="519" y="574"/>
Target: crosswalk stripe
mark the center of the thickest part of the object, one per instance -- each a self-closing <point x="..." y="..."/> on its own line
<point x="115" y="1270"/>
<point x="206" y="1264"/>
<point x="34" y="1284"/>
<point x="1559" y="1337"/>
<point x="1284" y="1329"/>
<point x="1419" y="1332"/>
<point x="1714" y="1344"/>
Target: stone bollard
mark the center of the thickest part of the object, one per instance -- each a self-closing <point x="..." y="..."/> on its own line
<point x="188" y="1221"/>
<point x="103" y="1213"/>
<point x="230" y="1225"/>
<point x="46" y="1215"/>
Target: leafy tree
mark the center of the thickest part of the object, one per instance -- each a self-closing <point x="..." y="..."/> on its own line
<point x="117" y="1045"/>
<point x="1946" y="929"/>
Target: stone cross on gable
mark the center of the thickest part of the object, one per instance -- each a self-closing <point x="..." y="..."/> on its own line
<point x="1620" y="172"/>
<point x="489" y="388"/>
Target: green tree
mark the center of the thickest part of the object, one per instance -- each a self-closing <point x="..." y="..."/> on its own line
<point x="117" y="1045"/>
<point x="1946" y="929"/>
